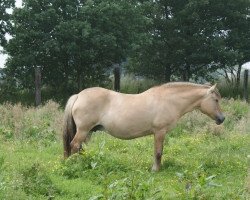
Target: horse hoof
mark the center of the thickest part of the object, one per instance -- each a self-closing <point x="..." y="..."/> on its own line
<point x="155" y="168"/>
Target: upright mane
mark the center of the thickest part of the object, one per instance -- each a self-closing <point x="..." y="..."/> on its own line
<point x="185" y="84"/>
<point x="188" y="85"/>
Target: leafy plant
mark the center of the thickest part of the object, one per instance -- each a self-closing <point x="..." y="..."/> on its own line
<point x="131" y="187"/>
<point x="6" y="133"/>
<point x="195" y="182"/>
<point x="95" y="160"/>
<point x="37" y="182"/>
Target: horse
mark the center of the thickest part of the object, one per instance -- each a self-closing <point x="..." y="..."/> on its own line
<point x="128" y="116"/>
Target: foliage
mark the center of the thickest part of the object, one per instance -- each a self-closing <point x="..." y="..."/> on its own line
<point x="76" y="43"/>
<point x="191" y="39"/>
<point x="129" y="187"/>
<point x="89" y="160"/>
<point x="73" y="41"/>
<point x="36" y="182"/>
<point x="196" y="181"/>
<point x="236" y="51"/>
<point x="5" y="24"/>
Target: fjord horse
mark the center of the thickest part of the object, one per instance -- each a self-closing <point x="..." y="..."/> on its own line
<point x="128" y="116"/>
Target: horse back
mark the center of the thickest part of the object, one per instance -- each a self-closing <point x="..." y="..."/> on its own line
<point x="91" y="100"/>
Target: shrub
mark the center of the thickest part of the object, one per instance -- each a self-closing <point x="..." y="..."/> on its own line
<point x="36" y="182"/>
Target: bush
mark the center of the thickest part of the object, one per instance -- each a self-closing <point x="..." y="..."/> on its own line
<point x="36" y="182"/>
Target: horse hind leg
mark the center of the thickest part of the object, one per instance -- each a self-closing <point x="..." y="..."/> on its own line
<point x="82" y="136"/>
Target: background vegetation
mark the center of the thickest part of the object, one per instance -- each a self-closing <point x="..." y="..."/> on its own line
<point x="201" y="160"/>
<point x="76" y="43"/>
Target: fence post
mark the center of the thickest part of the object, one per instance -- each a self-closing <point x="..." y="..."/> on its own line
<point x="245" y="86"/>
<point x="117" y="77"/>
<point x="37" y="86"/>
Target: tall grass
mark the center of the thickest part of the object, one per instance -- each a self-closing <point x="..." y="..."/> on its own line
<point x="229" y="90"/>
<point x="132" y="84"/>
<point x="21" y="122"/>
<point x="201" y="160"/>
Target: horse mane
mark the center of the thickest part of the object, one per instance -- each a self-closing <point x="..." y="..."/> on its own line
<point x="189" y="85"/>
<point x="185" y="84"/>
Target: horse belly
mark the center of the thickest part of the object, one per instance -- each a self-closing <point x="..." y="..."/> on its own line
<point x="127" y="134"/>
<point x="127" y="128"/>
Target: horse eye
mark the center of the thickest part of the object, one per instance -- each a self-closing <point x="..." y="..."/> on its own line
<point x="217" y="100"/>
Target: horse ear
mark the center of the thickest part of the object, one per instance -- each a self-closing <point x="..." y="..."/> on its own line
<point x="211" y="89"/>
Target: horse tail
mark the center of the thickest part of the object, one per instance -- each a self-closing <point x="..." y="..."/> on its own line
<point x="69" y="126"/>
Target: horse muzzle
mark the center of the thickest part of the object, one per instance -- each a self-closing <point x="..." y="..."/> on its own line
<point x="219" y="119"/>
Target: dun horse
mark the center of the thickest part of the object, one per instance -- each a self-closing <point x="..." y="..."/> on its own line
<point x="128" y="116"/>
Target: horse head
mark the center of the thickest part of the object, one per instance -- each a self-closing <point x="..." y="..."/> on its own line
<point x="210" y="105"/>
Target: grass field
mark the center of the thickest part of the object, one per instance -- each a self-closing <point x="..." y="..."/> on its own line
<point x="201" y="160"/>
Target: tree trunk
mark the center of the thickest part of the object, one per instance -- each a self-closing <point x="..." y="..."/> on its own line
<point x="238" y="77"/>
<point x="245" y="86"/>
<point x="236" y="80"/>
<point x="38" y="76"/>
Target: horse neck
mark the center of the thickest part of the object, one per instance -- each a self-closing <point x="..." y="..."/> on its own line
<point x="189" y="99"/>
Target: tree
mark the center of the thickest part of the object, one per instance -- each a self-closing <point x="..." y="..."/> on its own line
<point x="236" y="23"/>
<point x="5" y="24"/>
<point x="74" y="42"/>
<point x="151" y="58"/>
<point x="192" y="38"/>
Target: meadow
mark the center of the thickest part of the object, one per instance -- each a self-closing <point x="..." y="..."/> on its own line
<point x="201" y="160"/>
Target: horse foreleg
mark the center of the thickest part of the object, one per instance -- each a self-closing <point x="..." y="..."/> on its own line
<point x="159" y="137"/>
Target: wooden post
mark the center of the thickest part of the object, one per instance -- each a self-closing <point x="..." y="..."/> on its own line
<point x="37" y="86"/>
<point x="245" y="86"/>
<point x="117" y="77"/>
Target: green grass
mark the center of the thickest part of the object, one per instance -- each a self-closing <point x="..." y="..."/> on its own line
<point x="200" y="161"/>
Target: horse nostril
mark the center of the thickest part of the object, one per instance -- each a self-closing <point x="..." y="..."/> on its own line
<point x="220" y="119"/>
